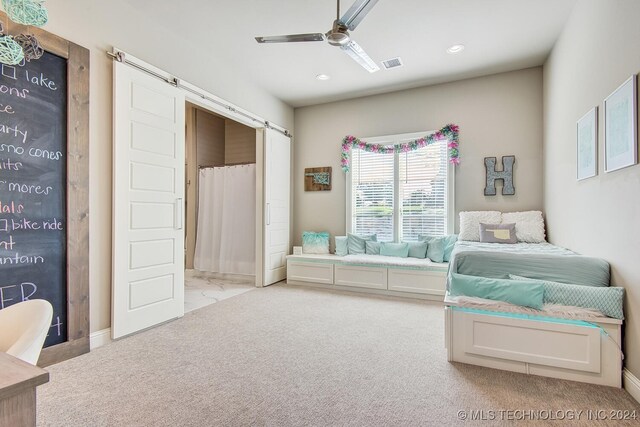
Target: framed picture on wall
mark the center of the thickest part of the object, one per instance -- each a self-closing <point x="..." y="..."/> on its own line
<point x="587" y="145"/>
<point x="620" y="124"/>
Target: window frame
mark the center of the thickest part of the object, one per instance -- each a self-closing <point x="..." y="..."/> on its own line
<point x="397" y="204"/>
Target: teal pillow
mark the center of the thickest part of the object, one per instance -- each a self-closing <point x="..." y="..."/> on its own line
<point x="450" y="243"/>
<point x="341" y="245"/>
<point x="372" y="248"/>
<point x="394" y="249"/>
<point x="528" y="293"/>
<point x="608" y="300"/>
<point x="435" y="251"/>
<point x="315" y="243"/>
<point x="356" y="243"/>
<point x="418" y="249"/>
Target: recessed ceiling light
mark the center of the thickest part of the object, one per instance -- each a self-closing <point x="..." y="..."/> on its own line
<point x="456" y="48"/>
<point x="323" y="77"/>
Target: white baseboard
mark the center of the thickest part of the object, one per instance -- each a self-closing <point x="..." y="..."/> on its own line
<point x="631" y="384"/>
<point x="99" y="338"/>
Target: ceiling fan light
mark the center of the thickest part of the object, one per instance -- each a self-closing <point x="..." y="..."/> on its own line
<point x="338" y="38"/>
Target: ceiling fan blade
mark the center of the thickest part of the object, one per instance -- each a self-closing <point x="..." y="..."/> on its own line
<point x="358" y="54"/>
<point x="357" y="12"/>
<point x="289" y="38"/>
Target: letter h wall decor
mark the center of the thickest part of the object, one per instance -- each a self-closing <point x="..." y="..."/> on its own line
<point x="506" y="175"/>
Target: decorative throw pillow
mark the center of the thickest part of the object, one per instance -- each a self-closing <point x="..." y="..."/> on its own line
<point x="394" y="249"/>
<point x="341" y="245"/>
<point x="357" y="243"/>
<point x="315" y="243"/>
<point x="529" y="225"/>
<point x="372" y="248"/>
<point x="418" y="249"/>
<point x="528" y="293"/>
<point x="498" y="233"/>
<point x="608" y="300"/>
<point x="435" y="251"/>
<point x="449" y="243"/>
<point x="470" y="223"/>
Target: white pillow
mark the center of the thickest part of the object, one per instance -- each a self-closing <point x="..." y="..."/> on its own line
<point x="470" y="223"/>
<point x="529" y="225"/>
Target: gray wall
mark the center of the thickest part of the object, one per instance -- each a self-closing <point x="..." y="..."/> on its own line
<point x="98" y="26"/>
<point x="498" y="115"/>
<point x="598" y="50"/>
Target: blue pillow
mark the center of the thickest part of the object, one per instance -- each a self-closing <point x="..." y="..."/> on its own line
<point x="341" y="245"/>
<point x="372" y="248"/>
<point x="449" y="243"/>
<point x="608" y="300"/>
<point x="357" y="243"/>
<point x="418" y="249"/>
<point x="394" y="249"/>
<point x="435" y="250"/>
<point x="528" y="293"/>
<point x="315" y="243"/>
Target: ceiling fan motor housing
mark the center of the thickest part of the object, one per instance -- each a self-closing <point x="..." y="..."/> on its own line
<point x="338" y="35"/>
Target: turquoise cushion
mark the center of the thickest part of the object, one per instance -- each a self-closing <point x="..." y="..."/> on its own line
<point x="528" y="293"/>
<point x="341" y="245"/>
<point x="608" y="300"/>
<point x="449" y="243"/>
<point x="372" y="248"/>
<point x="315" y="243"/>
<point x="394" y="249"/>
<point x="435" y="251"/>
<point x="357" y="243"/>
<point x="418" y="249"/>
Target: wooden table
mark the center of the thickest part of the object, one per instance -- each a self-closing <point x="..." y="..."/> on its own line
<point x="18" y="382"/>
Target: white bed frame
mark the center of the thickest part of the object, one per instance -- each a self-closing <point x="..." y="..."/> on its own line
<point x="558" y="350"/>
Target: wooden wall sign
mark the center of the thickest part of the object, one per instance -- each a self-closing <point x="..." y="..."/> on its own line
<point x="317" y="179"/>
<point x="44" y="188"/>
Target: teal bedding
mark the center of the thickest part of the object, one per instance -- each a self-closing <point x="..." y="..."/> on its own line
<point x="541" y="261"/>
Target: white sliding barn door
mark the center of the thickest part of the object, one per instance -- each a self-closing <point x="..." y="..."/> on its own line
<point x="277" y="178"/>
<point x="148" y="201"/>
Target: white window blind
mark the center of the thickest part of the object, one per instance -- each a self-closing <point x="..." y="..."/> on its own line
<point x="372" y="194"/>
<point x="400" y="196"/>
<point x="423" y="191"/>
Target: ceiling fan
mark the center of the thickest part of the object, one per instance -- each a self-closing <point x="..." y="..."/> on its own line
<point x="338" y="35"/>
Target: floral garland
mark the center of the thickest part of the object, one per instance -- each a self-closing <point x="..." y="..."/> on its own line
<point x="449" y="133"/>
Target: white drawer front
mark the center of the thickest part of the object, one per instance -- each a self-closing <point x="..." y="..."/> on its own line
<point x="543" y="343"/>
<point x="362" y="277"/>
<point x="310" y="272"/>
<point x="417" y="281"/>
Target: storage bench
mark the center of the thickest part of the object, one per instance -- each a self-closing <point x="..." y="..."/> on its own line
<point x="370" y="273"/>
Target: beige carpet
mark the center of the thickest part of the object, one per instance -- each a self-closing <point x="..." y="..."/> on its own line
<point x="286" y="356"/>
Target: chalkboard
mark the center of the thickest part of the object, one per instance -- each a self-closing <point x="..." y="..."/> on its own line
<point x="33" y="187"/>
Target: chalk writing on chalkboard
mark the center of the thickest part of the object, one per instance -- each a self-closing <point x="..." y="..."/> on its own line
<point x="33" y="185"/>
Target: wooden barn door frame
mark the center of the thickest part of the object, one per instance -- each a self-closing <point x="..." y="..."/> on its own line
<point x="77" y="190"/>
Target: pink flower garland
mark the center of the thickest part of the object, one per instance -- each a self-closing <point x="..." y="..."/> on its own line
<point x="449" y="132"/>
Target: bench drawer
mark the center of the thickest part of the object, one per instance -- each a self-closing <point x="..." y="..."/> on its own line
<point x="362" y="277"/>
<point x="310" y="272"/>
<point x="417" y="281"/>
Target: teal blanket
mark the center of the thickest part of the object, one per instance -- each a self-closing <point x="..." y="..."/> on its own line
<point x="541" y="261"/>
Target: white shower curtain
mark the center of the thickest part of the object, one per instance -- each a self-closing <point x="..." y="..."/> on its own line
<point x="226" y="233"/>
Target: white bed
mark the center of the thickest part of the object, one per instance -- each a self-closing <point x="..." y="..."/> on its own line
<point x="570" y="344"/>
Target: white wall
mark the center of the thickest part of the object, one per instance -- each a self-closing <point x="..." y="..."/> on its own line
<point x="597" y="51"/>
<point x="99" y="25"/>
<point x="498" y="115"/>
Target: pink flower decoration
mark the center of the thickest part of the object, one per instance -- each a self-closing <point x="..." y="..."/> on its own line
<point x="455" y="160"/>
<point x="452" y="144"/>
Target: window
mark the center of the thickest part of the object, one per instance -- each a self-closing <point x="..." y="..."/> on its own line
<point x="399" y="196"/>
